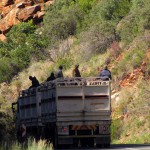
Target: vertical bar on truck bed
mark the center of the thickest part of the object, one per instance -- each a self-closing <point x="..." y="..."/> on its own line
<point x="38" y="103"/>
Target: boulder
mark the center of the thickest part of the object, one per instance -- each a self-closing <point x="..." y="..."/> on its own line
<point x="39" y="15"/>
<point x="20" y="5"/>
<point x="18" y="1"/>
<point x="15" y="11"/>
<point x="1" y="6"/>
<point x="7" y="2"/>
<point x="7" y="22"/>
<point x="6" y="10"/>
<point x="27" y="13"/>
<point x="2" y="37"/>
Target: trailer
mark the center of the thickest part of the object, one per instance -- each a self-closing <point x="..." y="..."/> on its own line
<point x="69" y="112"/>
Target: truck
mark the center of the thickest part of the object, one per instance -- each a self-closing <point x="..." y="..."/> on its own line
<point x="72" y="112"/>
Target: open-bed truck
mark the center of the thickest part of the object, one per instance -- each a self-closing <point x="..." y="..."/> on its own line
<point x="70" y="112"/>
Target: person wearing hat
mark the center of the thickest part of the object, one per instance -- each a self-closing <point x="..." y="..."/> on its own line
<point x="59" y="72"/>
<point x="76" y="72"/>
<point x="105" y="74"/>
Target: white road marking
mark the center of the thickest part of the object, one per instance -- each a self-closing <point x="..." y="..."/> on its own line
<point x="131" y="148"/>
<point x="142" y="148"/>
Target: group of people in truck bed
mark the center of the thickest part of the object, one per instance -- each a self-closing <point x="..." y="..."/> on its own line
<point x="105" y="75"/>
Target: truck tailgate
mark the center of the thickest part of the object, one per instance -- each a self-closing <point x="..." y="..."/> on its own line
<point x="83" y="102"/>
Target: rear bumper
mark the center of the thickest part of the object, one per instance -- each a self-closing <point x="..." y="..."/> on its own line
<point x="98" y="139"/>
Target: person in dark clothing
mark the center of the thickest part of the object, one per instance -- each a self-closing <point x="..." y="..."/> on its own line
<point x="35" y="82"/>
<point x="105" y="74"/>
<point x="51" y="77"/>
<point x="59" y="72"/>
<point x="76" y="72"/>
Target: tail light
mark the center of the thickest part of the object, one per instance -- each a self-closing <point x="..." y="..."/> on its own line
<point x="63" y="130"/>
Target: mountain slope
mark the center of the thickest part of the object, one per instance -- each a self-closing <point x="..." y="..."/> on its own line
<point x="91" y="33"/>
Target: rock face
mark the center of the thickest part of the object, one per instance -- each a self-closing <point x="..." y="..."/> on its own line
<point x="15" y="11"/>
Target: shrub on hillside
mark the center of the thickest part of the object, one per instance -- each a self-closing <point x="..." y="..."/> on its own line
<point x="65" y="61"/>
<point x="132" y="59"/>
<point x="96" y="39"/>
<point x="136" y="22"/>
<point x="61" y="21"/>
<point x="98" y="28"/>
<point x="115" y="49"/>
<point x="6" y="69"/>
<point x="23" y="44"/>
<point x="115" y="10"/>
<point x="6" y="120"/>
<point x="133" y="106"/>
<point x="86" y="5"/>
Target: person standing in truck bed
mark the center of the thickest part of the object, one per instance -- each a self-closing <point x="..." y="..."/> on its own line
<point x="59" y="72"/>
<point x="51" y="77"/>
<point x="105" y="74"/>
<point x="76" y="72"/>
<point x="35" y="82"/>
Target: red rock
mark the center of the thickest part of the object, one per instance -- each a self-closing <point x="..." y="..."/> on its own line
<point x="1" y="6"/>
<point x="7" y="2"/>
<point x="21" y="10"/>
<point x="2" y="37"/>
<point x="7" y="22"/>
<point x="42" y="7"/>
<point x="28" y="3"/>
<point x="28" y="12"/>
<point x="18" y="1"/>
<point x="6" y="10"/>
<point x="20" y="5"/>
<point x="49" y="2"/>
<point x="40" y="15"/>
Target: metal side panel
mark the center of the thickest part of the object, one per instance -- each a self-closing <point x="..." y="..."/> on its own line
<point x="83" y="116"/>
<point x="69" y="105"/>
<point x="69" y="91"/>
<point x="96" y="90"/>
<point x="96" y="104"/>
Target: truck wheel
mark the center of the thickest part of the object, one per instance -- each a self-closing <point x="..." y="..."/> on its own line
<point x="91" y="143"/>
<point x="55" y="139"/>
<point x="99" y="145"/>
<point x="107" y="145"/>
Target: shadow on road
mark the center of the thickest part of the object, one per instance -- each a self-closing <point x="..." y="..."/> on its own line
<point x="116" y="146"/>
<point x="130" y="145"/>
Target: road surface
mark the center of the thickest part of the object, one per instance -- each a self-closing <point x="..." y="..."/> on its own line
<point x="119" y="147"/>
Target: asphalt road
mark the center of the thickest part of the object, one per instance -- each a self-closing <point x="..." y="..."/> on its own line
<point x="130" y="147"/>
<point x="120" y="147"/>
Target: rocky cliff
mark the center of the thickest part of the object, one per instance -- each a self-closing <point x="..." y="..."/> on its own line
<point x="14" y="11"/>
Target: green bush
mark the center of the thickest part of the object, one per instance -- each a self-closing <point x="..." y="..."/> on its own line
<point x="6" y="121"/>
<point x="61" y="20"/>
<point x="115" y="10"/>
<point x="23" y="44"/>
<point x="66" y="61"/>
<point x="132" y="60"/>
<point x="116" y="129"/>
<point x="86" y="5"/>
<point x="136" y="22"/>
<point x="6" y="69"/>
<point x="98" y="27"/>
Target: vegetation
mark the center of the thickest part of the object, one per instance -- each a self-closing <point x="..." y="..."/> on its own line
<point x="23" y="44"/>
<point x="91" y="33"/>
<point x="30" y="145"/>
<point x="132" y="115"/>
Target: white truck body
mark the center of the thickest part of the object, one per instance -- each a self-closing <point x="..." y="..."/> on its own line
<point x="77" y="109"/>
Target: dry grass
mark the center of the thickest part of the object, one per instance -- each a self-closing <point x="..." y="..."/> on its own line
<point x="134" y="113"/>
<point x="31" y="145"/>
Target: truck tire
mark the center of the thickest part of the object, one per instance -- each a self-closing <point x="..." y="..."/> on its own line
<point x="55" y="139"/>
<point x="107" y="145"/>
<point x="99" y="145"/>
